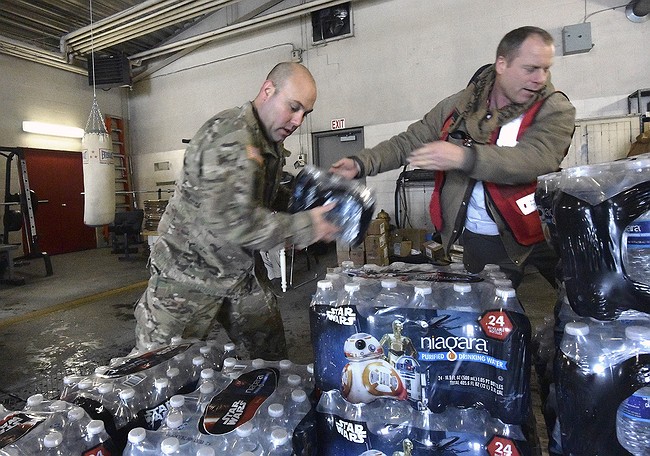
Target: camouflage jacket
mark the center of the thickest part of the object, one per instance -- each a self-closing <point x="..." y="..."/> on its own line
<point x="220" y="212"/>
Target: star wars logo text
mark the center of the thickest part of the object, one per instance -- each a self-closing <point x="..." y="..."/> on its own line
<point x="354" y="432"/>
<point x="342" y="315"/>
<point x="232" y="416"/>
<point x="156" y="415"/>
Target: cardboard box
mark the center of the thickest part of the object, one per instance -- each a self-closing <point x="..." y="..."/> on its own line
<point x="377" y="226"/>
<point x="433" y="250"/>
<point x="378" y="257"/>
<point x="358" y="255"/>
<point x="415" y="235"/>
<point x="402" y="248"/>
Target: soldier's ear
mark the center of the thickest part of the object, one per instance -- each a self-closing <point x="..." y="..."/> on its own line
<point x="268" y="88"/>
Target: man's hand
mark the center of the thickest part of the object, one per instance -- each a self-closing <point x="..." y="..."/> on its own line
<point x="323" y="230"/>
<point x="438" y="155"/>
<point x="345" y="167"/>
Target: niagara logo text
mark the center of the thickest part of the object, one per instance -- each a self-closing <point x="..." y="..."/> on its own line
<point x="342" y="315"/>
<point x="235" y="412"/>
<point x="453" y="344"/>
<point x="351" y="431"/>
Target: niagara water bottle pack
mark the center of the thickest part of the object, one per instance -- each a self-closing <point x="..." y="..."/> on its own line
<point x="598" y="219"/>
<point x="458" y="345"/>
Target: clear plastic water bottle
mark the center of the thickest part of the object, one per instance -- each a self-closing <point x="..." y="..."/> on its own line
<point x="422" y="297"/>
<point x="297" y="408"/>
<point x="390" y="294"/>
<point x="506" y="299"/>
<point x="350" y="295"/>
<point x="633" y="423"/>
<point x="141" y="442"/>
<point x="325" y="294"/>
<point x="96" y="434"/>
<point x="246" y="440"/>
<point x="636" y="249"/>
<point x="74" y="429"/>
<point x="338" y="281"/>
<point x="574" y="342"/>
<point x="127" y="408"/>
<point x="280" y="443"/>
<point x="170" y="446"/>
<point x="53" y="444"/>
<point x="463" y="298"/>
<point x="275" y="418"/>
<point x="36" y="403"/>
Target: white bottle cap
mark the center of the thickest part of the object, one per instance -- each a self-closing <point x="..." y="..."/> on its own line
<point x="457" y="266"/>
<point x="206" y="373"/>
<point x="279" y="437"/>
<point x="310" y="368"/>
<point x="205" y="451"/>
<point x="105" y="388"/>
<point x="75" y="413"/>
<point x="174" y="420"/>
<point x="34" y="399"/>
<point x="298" y="395"/>
<point x="176" y="340"/>
<point x="294" y="380"/>
<point x="170" y="445"/>
<point x="198" y="360"/>
<point x="127" y="393"/>
<point x="85" y="384"/>
<point x="172" y="372"/>
<point x="276" y="410"/>
<point x="245" y="429"/>
<point x="324" y="285"/>
<point x="52" y="439"/>
<point x="352" y="286"/>
<point x="177" y="400"/>
<point x="576" y="328"/>
<point x="206" y="388"/>
<point x="58" y="406"/>
<point x="506" y="292"/>
<point x="285" y="364"/>
<point x="229" y="346"/>
<point x="490" y="267"/>
<point x="637" y="333"/>
<point x="95" y="427"/>
<point x="161" y="382"/>
<point x="258" y="363"/>
<point x="205" y="350"/>
<point x="462" y="287"/>
<point x="137" y="435"/>
<point x="422" y="289"/>
<point x="388" y="283"/>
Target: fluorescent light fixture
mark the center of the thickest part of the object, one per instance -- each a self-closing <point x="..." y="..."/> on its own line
<point x="42" y="128"/>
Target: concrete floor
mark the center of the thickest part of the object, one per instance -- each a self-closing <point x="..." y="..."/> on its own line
<point x="82" y="316"/>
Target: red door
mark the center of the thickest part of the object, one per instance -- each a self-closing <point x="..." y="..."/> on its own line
<point x="57" y="177"/>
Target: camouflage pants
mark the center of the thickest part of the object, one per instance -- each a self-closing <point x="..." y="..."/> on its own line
<point x="252" y="318"/>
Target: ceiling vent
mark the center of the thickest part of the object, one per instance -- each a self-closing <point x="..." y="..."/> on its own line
<point x="110" y="71"/>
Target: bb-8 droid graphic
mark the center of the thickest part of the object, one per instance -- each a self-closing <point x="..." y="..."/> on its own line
<point x="368" y="375"/>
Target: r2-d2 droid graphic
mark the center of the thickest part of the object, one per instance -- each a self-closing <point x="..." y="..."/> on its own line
<point x="368" y="375"/>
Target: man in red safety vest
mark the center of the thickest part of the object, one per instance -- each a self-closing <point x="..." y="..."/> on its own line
<point x="488" y="144"/>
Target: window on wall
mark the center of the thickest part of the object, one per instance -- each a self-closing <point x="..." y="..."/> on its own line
<point x="332" y="23"/>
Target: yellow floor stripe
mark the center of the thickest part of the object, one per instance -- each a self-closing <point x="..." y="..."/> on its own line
<point x="70" y="304"/>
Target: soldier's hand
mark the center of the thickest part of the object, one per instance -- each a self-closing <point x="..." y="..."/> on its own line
<point x="323" y="230"/>
<point x="345" y="167"/>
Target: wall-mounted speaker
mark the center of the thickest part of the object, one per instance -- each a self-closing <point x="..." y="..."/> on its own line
<point x="110" y="71"/>
<point x="332" y="23"/>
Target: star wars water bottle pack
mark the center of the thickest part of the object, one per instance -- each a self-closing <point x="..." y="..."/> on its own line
<point x="355" y="202"/>
<point x="602" y="217"/>
<point x="133" y="391"/>
<point x="457" y="345"/>
<point x="52" y="427"/>
<point x="258" y="411"/>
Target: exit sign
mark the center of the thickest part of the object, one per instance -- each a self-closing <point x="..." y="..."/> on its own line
<point x="338" y="124"/>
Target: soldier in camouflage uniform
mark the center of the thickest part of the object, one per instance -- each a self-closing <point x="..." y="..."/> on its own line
<point x="205" y="265"/>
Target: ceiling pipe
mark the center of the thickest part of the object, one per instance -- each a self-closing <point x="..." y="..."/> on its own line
<point x="38" y="55"/>
<point x="142" y="26"/>
<point x="253" y="24"/>
<point x="638" y="10"/>
<point x="125" y="22"/>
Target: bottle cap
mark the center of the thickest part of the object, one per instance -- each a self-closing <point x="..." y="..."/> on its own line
<point x="127" y="393"/>
<point x="310" y="368"/>
<point x="95" y="427"/>
<point x="637" y="333"/>
<point x="575" y="328"/>
<point x="490" y="267"/>
<point x="422" y="289"/>
<point x="85" y="384"/>
<point x="294" y="380"/>
<point x="174" y="420"/>
<point x="352" y="286"/>
<point x="198" y="360"/>
<point x="298" y="395"/>
<point x="206" y="387"/>
<point x="229" y="346"/>
<point x="276" y="410"/>
<point x="258" y="363"/>
<point x="506" y="292"/>
<point x="205" y="451"/>
<point x="279" y="437"/>
<point x="76" y="413"/>
<point x="105" y="388"/>
<point x="462" y="287"/>
<point x="161" y="382"/>
<point x="34" y="399"/>
<point x="388" y="283"/>
<point x="172" y="372"/>
<point x="169" y="445"/>
<point x="52" y="439"/>
<point x="245" y="429"/>
<point x="457" y="266"/>
<point x="229" y="362"/>
<point x="58" y="406"/>
<point x="177" y="400"/>
<point x="324" y="285"/>
<point x="208" y="372"/>
<point x="285" y="364"/>
<point x="137" y="435"/>
<point x="205" y="350"/>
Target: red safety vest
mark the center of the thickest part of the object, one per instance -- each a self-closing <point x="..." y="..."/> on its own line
<point x="526" y="228"/>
